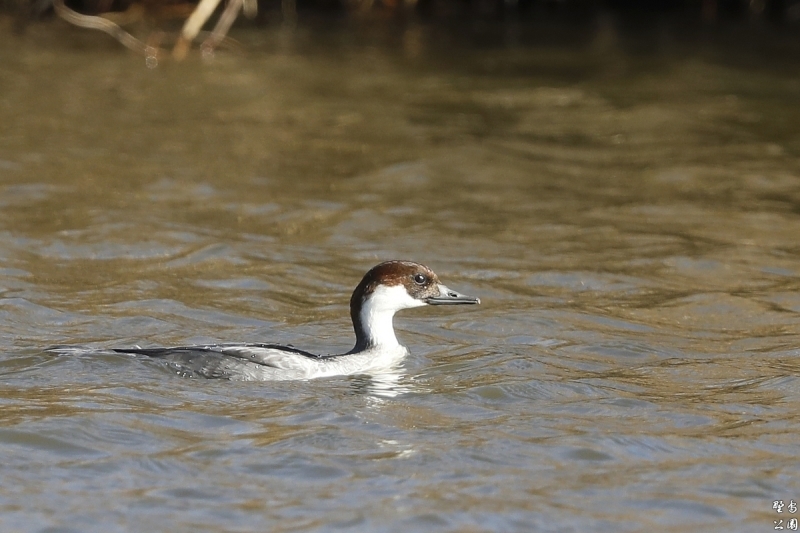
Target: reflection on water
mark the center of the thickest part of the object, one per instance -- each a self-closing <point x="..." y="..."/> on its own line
<point x="387" y="385"/>
<point x="625" y="206"/>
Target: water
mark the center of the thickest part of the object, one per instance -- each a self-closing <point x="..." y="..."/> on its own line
<point x="625" y="205"/>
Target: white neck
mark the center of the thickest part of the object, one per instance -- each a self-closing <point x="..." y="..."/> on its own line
<point x="378" y="311"/>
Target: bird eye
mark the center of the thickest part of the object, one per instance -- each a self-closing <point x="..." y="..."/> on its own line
<point x="420" y="279"/>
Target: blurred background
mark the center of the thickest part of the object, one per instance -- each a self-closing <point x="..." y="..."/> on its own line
<point x="619" y="182"/>
<point x="776" y="11"/>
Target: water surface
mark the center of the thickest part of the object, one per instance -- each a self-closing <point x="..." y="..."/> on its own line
<point x="626" y="207"/>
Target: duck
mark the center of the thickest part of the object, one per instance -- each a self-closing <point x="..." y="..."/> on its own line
<point x="384" y="290"/>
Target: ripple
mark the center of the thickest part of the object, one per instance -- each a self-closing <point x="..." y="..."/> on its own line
<point x="633" y="237"/>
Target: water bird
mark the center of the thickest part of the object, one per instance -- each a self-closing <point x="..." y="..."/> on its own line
<point x="387" y="288"/>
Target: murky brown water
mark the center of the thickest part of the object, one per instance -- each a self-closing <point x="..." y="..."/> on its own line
<point x="630" y="221"/>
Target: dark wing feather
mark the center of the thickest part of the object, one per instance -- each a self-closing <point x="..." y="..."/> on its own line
<point x="225" y="361"/>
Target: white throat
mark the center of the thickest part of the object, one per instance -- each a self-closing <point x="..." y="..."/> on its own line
<point x="379" y="309"/>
